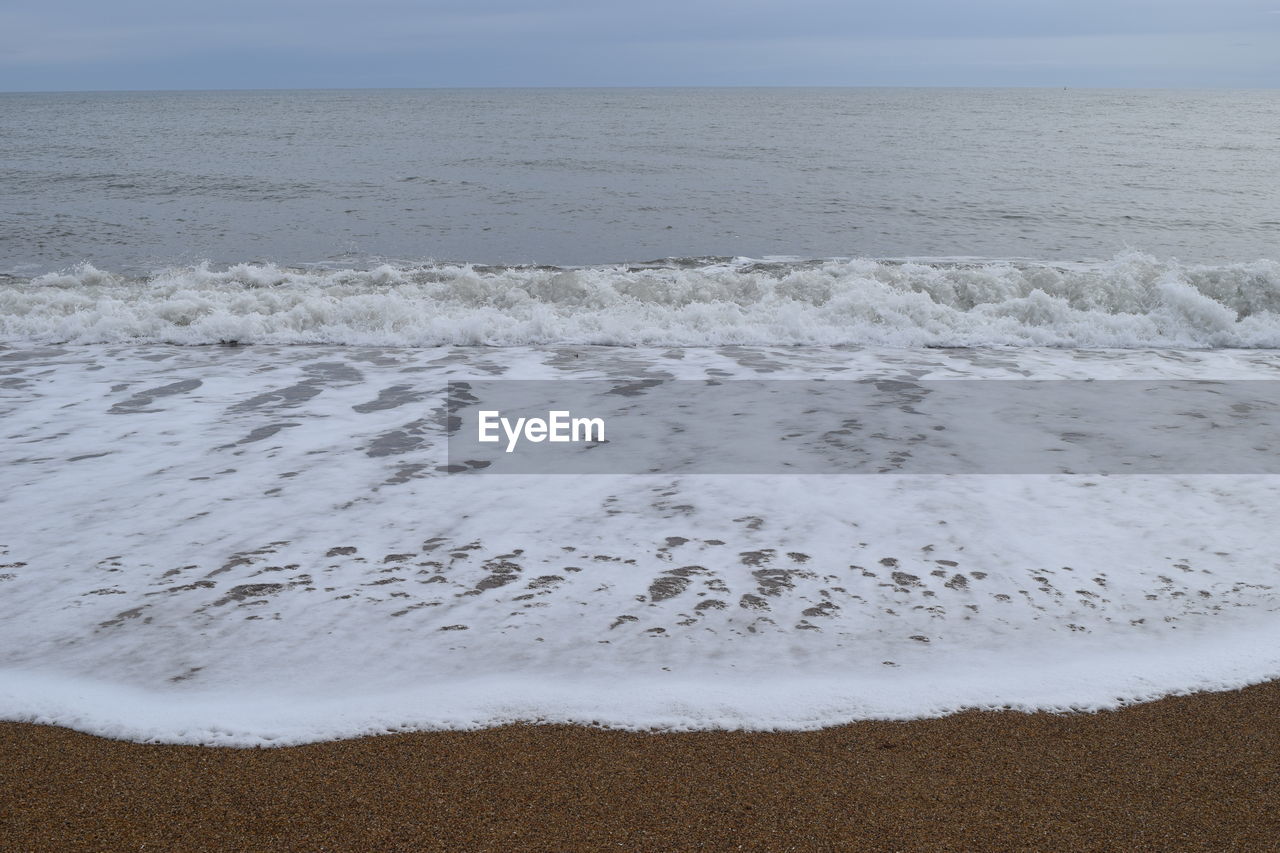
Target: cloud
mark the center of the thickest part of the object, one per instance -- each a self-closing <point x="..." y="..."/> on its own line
<point x="321" y="43"/>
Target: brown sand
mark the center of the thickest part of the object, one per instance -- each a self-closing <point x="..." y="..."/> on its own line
<point x="1197" y="772"/>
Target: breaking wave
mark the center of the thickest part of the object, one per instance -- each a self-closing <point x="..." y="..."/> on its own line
<point x="1134" y="300"/>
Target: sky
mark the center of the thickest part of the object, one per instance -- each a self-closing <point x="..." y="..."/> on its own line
<point x="263" y="44"/>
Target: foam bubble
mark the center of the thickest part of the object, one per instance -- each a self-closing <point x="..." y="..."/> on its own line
<point x="1134" y="300"/>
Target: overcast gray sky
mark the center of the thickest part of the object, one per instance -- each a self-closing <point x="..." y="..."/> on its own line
<point x="172" y="44"/>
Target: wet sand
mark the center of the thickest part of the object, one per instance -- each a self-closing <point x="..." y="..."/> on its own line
<point x="1194" y="772"/>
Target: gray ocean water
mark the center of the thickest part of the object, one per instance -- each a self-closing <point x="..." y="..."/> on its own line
<point x="270" y="542"/>
<point x="132" y="182"/>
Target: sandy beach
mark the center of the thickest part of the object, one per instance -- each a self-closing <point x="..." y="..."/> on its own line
<point x="1184" y="773"/>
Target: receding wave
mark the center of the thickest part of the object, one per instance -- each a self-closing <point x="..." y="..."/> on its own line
<point x="1134" y="300"/>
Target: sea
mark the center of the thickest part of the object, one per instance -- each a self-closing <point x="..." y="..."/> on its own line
<point x="241" y="334"/>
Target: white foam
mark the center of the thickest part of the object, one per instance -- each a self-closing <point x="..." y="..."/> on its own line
<point x="172" y="569"/>
<point x="798" y="700"/>
<point x="1133" y="301"/>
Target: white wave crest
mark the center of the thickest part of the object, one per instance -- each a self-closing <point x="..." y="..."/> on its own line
<point x="1134" y="300"/>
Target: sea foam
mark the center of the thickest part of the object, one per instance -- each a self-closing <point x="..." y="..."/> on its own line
<point x="1131" y="301"/>
<point x="265" y="545"/>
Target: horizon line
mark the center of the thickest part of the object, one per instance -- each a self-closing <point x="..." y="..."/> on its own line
<point x="1152" y="88"/>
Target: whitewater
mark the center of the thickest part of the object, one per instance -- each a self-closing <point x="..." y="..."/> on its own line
<point x="265" y="545"/>
<point x="1134" y="300"/>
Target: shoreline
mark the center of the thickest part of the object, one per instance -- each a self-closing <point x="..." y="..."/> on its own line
<point x="1183" y="772"/>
